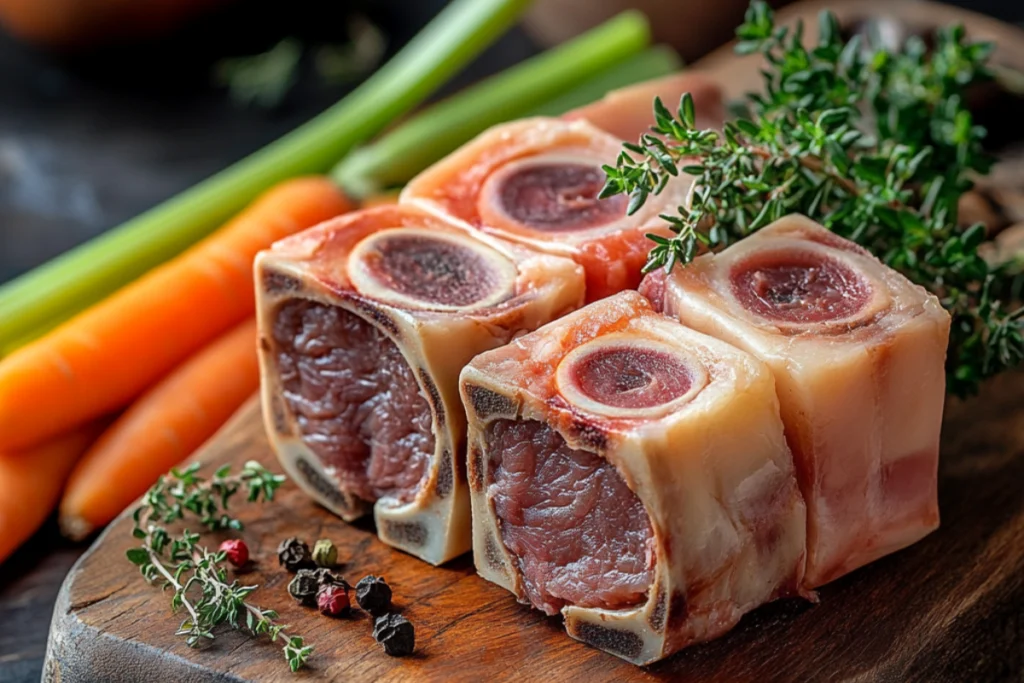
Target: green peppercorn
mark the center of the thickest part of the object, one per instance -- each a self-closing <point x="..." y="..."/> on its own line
<point x="294" y="555"/>
<point x="304" y="587"/>
<point x="325" y="554"/>
<point x="395" y="634"/>
<point x="373" y="594"/>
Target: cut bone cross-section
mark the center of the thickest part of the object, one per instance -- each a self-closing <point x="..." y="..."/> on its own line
<point x="420" y="269"/>
<point x="799" y="286"/>
<point x="623" y="376"/>
<point x="550" y="193"/>
<point x="633" y="475"/>
<point x="537" y="182"/>
<point x="858" y="355"/>
<point x="365" y="322"/>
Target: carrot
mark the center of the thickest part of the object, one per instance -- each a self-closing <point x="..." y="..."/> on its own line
<point x="386" y="198"/>
<point x="101" y="359"/>
<point x="162" y="428"/>
<point x="31" y="482"/>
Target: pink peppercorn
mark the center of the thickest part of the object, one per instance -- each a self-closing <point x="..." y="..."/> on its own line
<point x="333" y="600"/>
<point x="236" y="551"/>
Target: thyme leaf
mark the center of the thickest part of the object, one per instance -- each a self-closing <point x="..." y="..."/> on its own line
<point x="197" y="577"/>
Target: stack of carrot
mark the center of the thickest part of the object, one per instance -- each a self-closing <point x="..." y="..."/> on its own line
<point x="174" y="350"/>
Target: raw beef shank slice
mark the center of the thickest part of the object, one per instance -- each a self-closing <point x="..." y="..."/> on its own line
<point x="365" y="322"/>
<point x="633" y="475"/>
<point x="858" y="355"/>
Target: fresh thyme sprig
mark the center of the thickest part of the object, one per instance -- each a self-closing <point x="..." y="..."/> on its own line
<point x="878" y="146"/>
<point x="195" y="575"/>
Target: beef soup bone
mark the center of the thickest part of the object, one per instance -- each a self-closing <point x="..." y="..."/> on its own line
<point x="858" y="355"/>
<point x="536" y="182"/>
<point x="365" y="322"/>
<point x="633" y="475"/>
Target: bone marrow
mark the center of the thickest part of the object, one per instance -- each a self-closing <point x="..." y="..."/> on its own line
<point x="424" y="270"/>
<point x="799" y="286"/>
<point x="359" y="375"/>
<point x="594" y="494"/>
<point x="537" y="182"/>
<point x="623" y="376"/>
<point x="579" y="535"/>
<point x="551" y="194"/>
<point x="857" y="353"/>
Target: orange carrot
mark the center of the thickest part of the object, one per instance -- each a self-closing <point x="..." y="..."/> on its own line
<point x="103" y="358"/>
<point x="159" y="430"/>
<point x="387" y="198"/>
<point x="31" y="482"/>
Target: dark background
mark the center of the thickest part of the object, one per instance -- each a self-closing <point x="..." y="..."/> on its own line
<point x="88" y="140"/>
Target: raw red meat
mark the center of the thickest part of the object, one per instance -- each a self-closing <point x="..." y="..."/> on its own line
<point x="355" y="399"/>
<point x="580" y="535"/>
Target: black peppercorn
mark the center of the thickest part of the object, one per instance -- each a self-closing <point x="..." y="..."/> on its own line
<point x="294" y="555"/>
<point x="374" y="595"/>
<point x="395" y="634"/>
<point x="304" y="587"/>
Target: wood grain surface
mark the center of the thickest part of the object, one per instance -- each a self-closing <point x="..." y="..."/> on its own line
<point x="950" y="608"/>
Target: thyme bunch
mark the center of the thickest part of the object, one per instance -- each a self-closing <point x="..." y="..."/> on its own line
<point x="876" y="145"/>
<point x="196" y="576"/>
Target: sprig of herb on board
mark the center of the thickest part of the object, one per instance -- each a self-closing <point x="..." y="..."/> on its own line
<point x="876" y="145"/>
<point x="197" y="576"/>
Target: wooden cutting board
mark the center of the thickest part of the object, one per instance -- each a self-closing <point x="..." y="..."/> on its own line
<point x="950" y="608"/>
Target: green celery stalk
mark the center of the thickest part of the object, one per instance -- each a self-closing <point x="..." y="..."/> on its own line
<point x="86" y="274"/>
<point x="425" y="138"/>
<point x="654" y="62"/>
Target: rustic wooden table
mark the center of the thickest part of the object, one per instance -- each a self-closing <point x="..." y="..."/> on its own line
<point x="88" y="142"/>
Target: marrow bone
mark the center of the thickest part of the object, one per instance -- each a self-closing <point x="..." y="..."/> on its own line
<point x="632" y="474"/>
<point x="621" y="375"/>
<point x="551" y="192"/>
<point x="428" y="270"/>
<point x="365" y="322"/>
<point x="536" y="182"/>
<point x="858" y="356"/>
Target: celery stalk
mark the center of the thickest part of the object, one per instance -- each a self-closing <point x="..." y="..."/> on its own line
<point x="654" y="62"/>
<point x="86" y="274"/>
<point x="425" y="138"/>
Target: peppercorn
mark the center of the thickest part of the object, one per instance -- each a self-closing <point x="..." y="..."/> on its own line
<point x="328" y="578"/>
<point x="324" y="553"/>
<point x="333" y="600"/>
<point x="304" y="587"/>
<point x="236" y="551"/>
<point x="395" y="634"/>
<point x="294" y="555"/>
<point x="374" y="595"/>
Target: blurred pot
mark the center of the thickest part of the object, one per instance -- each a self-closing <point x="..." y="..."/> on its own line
<point x="76" y="23"/>
<point x="693" y="28"/>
